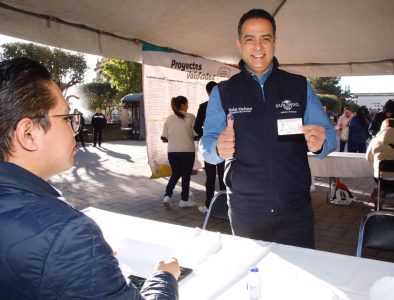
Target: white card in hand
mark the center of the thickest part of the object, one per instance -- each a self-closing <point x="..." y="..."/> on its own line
<point x="290" y="126"/>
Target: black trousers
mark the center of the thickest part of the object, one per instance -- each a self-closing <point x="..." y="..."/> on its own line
<point x="294" y="228"/>
<point x="357" y="148"/>
<point x="79" y="138"/>
<point x="97" y="136"/>
<point x="182" y="166"/>
<point x="210" y="171"/>
<point x="342" y="145"/>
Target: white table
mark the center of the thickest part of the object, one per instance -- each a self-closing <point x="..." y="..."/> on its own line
<point x="341" y="164"/>
<point x="220" y="262"/>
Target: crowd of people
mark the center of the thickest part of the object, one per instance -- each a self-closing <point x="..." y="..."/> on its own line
<point x="356" y="129"/>
<point x="371" y="135"/>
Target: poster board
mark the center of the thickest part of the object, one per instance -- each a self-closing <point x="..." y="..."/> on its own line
<point x="168" y="74"/>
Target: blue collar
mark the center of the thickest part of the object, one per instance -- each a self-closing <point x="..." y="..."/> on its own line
<point x="261" y="80"/>
<point x="13" y="176"/>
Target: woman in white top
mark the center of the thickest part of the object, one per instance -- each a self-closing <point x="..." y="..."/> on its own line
<point x="380" y="148"/>
<point x="178" y="132"/>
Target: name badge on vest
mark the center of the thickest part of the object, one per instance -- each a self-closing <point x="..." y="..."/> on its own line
<point x="290" y="126"/>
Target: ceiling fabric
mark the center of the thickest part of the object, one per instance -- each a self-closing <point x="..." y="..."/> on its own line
<point x="314" y="37"/>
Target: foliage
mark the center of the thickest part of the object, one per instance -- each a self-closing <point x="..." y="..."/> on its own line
<point x="331" y="94"/>
<point x="326" y="85"/>
<point x="125" y="76"/>
<point x="347" y="93"/>
<point x="330" y="102"/>
<point x="352" y="105"/>
<point x="99" y="94"/>
<point x="67" y="69"/>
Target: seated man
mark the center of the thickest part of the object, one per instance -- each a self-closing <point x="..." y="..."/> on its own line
<point x="48" y="249"/>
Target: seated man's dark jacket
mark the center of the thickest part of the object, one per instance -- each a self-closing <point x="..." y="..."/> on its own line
<point x="49" y="250"/>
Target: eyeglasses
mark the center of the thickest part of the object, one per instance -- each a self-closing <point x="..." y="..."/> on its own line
<point x="75" y="120"/>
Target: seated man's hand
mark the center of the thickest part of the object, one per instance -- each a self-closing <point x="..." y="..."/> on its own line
<point x="315" y="136"/>
<point x="171" y="266"/>
<point x="226" y="141"/>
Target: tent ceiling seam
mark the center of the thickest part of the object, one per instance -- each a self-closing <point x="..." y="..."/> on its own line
<point x="50" y="19"/>
<point x="341" y="64"/>
<point x="279" y="8"/>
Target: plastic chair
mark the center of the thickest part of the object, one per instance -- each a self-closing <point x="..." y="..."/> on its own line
<point x="218" y="208"/>
<point x="376" y="231"/>
<point x="385" y="184"/>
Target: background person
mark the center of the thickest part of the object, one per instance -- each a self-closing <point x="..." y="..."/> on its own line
<point x="267" y="174"/>
<point x="178" y="132"/>
<point x="210" y="169"/>
<point x="98" y="123"/>
<point x="388" y="112"/>
<point x="79" y="136"/>
<point x="343" y="122"/>
<point x="358" y="132"/>
<point x="380" y="148"/>
<point x="48" y="249"/>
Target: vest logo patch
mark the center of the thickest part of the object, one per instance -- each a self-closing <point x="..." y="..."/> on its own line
<point x="240" y="110"/>
<point x="287" y="105"/>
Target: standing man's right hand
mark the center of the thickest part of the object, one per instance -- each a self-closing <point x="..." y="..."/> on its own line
<point x="226" y="140"/>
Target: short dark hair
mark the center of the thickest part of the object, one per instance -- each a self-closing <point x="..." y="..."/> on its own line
<point x="24" y="92"/>
<point x="256" y="14"/>
<point x="210" y="85"/>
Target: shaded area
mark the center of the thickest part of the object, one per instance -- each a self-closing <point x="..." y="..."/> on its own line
<point x="115" y="177"/>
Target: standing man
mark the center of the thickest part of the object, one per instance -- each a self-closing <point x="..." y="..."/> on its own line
<point x="48" y="249"/>
<point x="267" y="173"/>
<point x="210" y="169"/>
<point x="343" y="124"/>
<point x="98" y="123"/>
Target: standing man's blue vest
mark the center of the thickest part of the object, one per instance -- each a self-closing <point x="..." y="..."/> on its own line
<point x="270" y="173"/>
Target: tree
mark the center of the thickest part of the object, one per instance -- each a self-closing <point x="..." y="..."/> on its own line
<point x="99" y="94"/>
<point x="330" y="102"/>
<point x="67" y="69"/>
<point x="330" y="92"/>
<point x="326" y="85"/>
<point x="125" y="76"/>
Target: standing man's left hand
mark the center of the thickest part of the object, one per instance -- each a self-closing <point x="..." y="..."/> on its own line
<point x="315" y="136"/>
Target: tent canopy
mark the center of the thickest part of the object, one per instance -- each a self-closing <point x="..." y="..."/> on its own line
<point x="315" y="37"/>
<point x="130" y="98"/>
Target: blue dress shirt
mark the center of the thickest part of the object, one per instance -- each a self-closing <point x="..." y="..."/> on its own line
<point x="215" y="121"/>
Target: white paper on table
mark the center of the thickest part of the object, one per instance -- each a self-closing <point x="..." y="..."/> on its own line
<point x="198" y="247"/>
<point x="140" y="257"/>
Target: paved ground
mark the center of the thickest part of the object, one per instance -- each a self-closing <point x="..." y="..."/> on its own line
<point x="116" y="178"/>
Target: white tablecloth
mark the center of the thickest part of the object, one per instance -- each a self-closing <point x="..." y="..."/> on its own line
<point x="304" y="274"/>
<point x="341" y="164"/>
<point x="218" y="260"/>
<point x="221" y="262"/>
